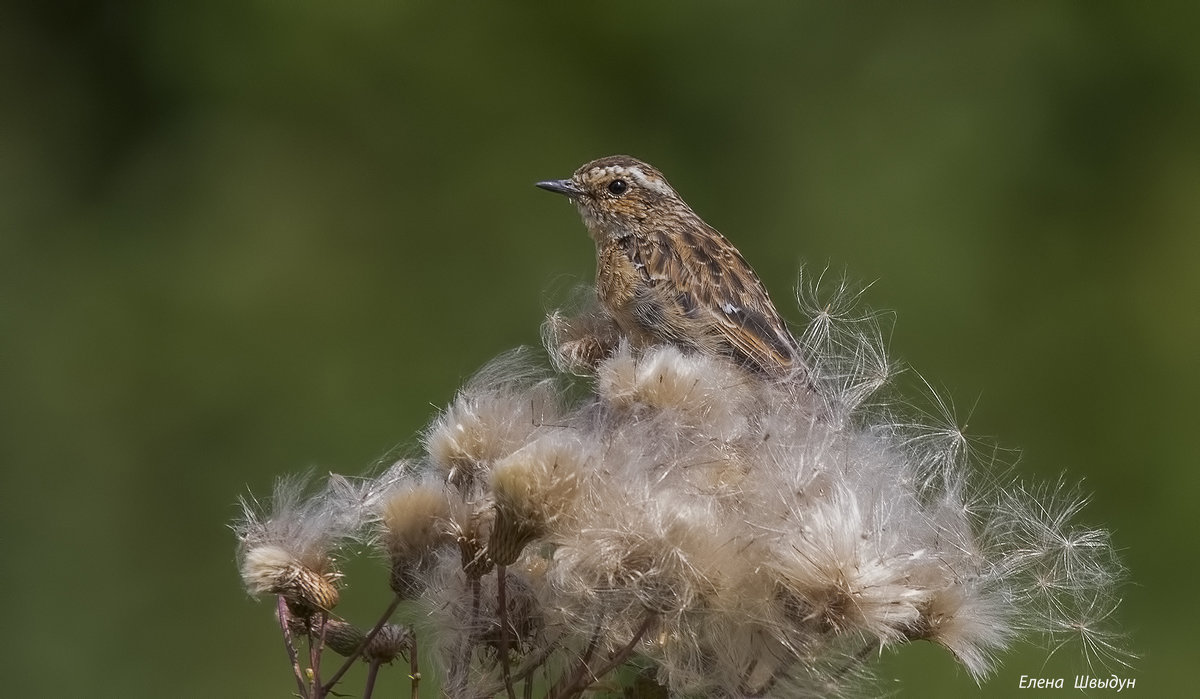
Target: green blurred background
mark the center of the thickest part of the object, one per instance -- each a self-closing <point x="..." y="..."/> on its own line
<point x="238" y="240"/>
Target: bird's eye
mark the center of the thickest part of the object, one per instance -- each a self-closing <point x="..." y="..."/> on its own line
<point x="617" y="187"/>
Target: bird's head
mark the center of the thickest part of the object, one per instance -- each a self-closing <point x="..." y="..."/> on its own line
<point x="618" y="195"/>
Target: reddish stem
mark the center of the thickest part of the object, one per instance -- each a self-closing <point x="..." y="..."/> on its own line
<point x="315" y="646"/>
<point x="282" y="612"/>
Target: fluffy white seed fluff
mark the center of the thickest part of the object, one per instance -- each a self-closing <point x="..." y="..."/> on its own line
<point x="499" y="411"/>
<point x="414" y="519"/>
<point x="264" y="567"/>
<point x="535" y="487"/>
<point x="739" y="535"/>
<point x="289" y="547"/>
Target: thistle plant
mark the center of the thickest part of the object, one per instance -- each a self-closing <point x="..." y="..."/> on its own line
<point x="673" y="518"/>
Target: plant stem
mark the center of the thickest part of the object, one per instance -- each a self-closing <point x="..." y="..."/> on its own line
<point x="349" y="662"/>
<point x="414" y="670"/>
<point x="502" y="602"/>
<point x="461" y="670"/>
<point x="584" y="677"/>
<point x="282" y="612"/>
<point x="372" y="673"/>
<point x="315" y="646"/>
<point x="523" y="673"/>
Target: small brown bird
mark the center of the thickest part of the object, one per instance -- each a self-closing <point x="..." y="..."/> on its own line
<point x="664" y="275"/>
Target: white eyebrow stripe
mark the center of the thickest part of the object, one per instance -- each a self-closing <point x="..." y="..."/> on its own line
<point x="636" y="174"/>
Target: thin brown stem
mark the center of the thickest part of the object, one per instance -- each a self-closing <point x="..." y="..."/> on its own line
<point x="581" y="667"/>
<point x="591" y="647"/>
<point x="282" y="612"/>
<point x="502" y="613"/>
<point x="523" y="673"/>
<point x="618" y="659"/>
<point x="461" y="669"/>
<point x="316" y="643"/>
<point x="744" y="684"/>
<point x="372" y="673"/>
<point x="585" y="677"/>
<point x="349" y="662"/>
<point x="533" y="664"/>
<point x="414" y="670"/>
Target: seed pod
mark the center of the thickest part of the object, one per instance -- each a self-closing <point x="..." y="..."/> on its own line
<point x="533" y="488"/>
<point x="273" y="570"/>
<point x="414" y="525"/>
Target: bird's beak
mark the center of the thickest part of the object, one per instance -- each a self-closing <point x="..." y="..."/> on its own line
<point x="566" y="187"/>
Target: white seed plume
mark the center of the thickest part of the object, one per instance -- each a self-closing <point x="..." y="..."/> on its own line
<point x="289" y="548"/>
<point x="739" y="535"/>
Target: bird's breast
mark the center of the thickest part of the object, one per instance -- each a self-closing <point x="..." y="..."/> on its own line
<point x="618" y="277"/>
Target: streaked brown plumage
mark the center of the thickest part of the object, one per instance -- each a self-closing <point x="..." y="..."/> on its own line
<point x="664" y="275"/>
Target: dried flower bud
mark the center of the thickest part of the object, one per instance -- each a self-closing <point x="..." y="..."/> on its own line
<point x="345" y="639"/>
<point x="414" y="524"/>
<point x="289" y="549"/>
<point x="389" y="643"/>
<point x="340" y="637"/>
<point x="471" y="528"/>
<point x="533" y="488"/>
<point x="493" y="416"/>
<point x="273" y="570"/>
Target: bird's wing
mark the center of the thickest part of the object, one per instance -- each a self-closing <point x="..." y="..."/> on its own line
<point x="702" y="283"/>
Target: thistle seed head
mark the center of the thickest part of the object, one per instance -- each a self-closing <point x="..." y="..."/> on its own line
<point x="414" y="520"/>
